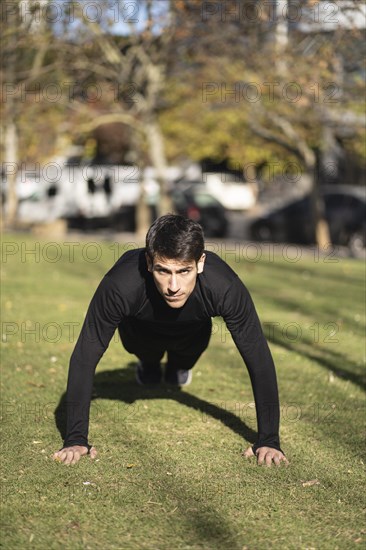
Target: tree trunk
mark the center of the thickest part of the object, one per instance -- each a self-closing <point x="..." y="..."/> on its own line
<point x="11" y="168"/>
<point x="157" y="156"/>
<point x="279" y="13"/>
<point x="320" y="224"/>
<point x="304" y="151"/>
<point x="143" y="215"/>
<point x="279" y="35"/>
<point x="11" y="145"/>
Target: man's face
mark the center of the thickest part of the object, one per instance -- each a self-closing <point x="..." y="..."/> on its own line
<point x="175" y="279"/>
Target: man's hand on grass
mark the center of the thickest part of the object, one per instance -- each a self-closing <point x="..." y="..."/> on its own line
<point x="267" y="455"/>
<point x="71" y="455"/>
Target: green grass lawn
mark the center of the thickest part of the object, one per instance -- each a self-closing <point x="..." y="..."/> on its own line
<point x="169" y="472"/>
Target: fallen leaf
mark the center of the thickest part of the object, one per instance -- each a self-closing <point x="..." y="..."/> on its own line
<point x="131" y="466"/>
<point x="35" y="384"/>
<point x="310" y="483"/>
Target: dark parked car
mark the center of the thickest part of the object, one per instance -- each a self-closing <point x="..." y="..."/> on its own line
<point x="345" y="212"/>
<point x="196" y="203"/>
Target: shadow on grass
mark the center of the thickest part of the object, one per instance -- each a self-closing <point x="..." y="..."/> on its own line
<point x="120" y="385"/>
<point x="327" y="315"/>
<point x="332" y="360"/>
<point x="321" y="270"/>
<point x="198" y="513"/>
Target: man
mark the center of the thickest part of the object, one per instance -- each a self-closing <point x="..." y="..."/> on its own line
<point x="162" y="299"/>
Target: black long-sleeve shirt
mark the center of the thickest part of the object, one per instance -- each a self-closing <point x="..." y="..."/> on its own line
<point x="128" y="291"/>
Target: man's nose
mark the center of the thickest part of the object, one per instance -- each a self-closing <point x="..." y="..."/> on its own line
<point x="173" y="285"/>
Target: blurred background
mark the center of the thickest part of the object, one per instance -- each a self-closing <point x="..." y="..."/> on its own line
<point x="246" y="116"/>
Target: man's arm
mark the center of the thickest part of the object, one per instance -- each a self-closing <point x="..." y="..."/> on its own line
<point x="103" y="316"/>
<point x="242" y="320"/>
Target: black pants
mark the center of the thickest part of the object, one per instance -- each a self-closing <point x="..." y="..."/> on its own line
<point x="183" y="350"/>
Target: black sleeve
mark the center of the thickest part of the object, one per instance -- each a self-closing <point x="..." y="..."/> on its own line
<point x="242" y="321"/>
<point x="104" y="314"/>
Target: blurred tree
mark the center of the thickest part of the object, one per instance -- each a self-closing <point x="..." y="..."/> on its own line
<point x="267" y="85"/>
<point x="271" y="93"/>
<point x="128" y="73"/>
<point x="30" y="80"/>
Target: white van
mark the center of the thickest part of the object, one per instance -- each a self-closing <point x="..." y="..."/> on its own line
<point x="233" y="195"/>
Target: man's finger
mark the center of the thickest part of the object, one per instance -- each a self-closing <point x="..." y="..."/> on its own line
<point x="61" y="455"/>
<point x="76" y="457"/>
<point x="277" y="460"/>
<point x="69" y="457"/>
<point x="261" y="453"/>
<point x="93" y="453"/>
<point x="268" y="459"/>
<point x="248" y="453"/>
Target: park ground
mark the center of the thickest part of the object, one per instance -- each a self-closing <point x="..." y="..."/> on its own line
<point x="169" y="472"/>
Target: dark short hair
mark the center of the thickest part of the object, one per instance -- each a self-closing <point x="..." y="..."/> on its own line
<point x="175" y="237"/>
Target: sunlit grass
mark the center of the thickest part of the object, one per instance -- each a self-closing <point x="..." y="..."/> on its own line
<point x="169" y="473"/>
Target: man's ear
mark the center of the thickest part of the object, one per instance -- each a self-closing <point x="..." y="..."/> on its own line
<point x="201" y="263"/>
<point x="149" y="262"/>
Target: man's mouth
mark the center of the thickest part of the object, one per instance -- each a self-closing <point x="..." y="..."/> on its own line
<point x="174" y="298"/>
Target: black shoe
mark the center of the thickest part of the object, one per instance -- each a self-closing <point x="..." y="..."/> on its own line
<point x="177" y="377"/>
<point x="147" y="373"/>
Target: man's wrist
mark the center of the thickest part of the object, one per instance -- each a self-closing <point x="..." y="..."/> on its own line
<point x="272" y="445"/>
<point x="76" y="444"/>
